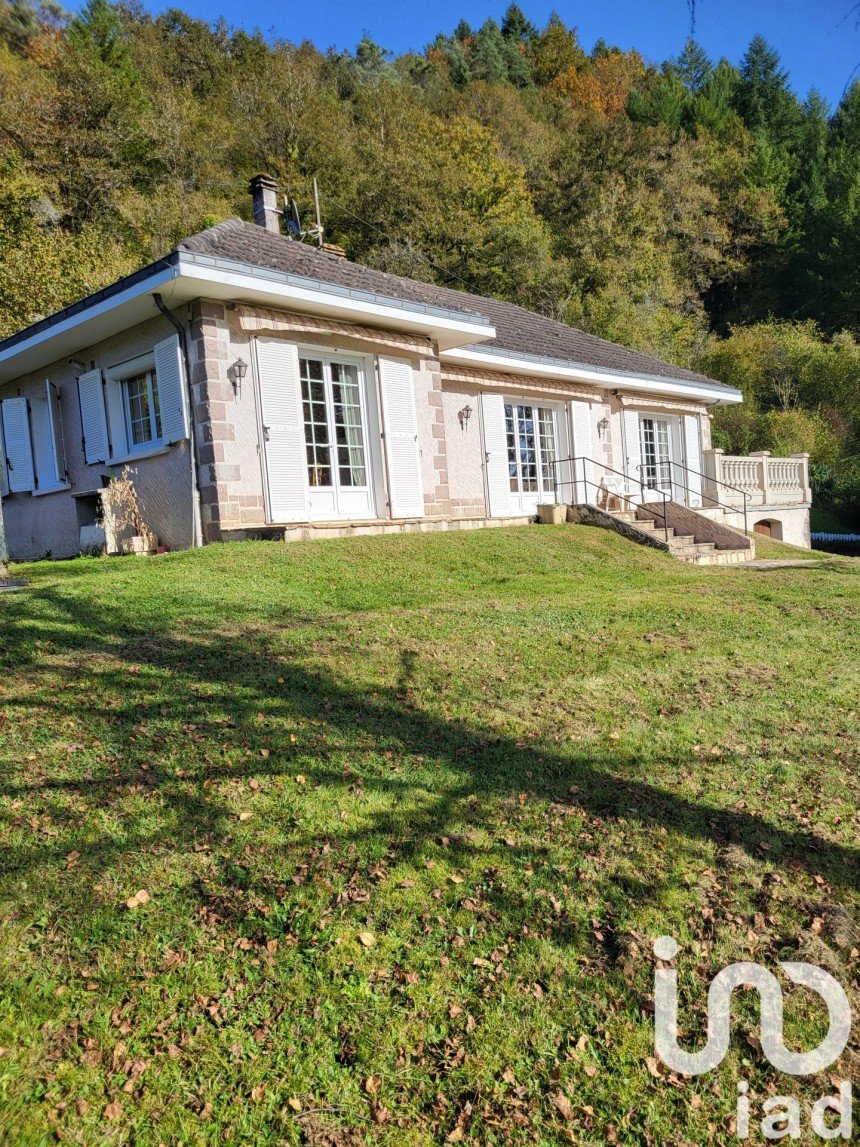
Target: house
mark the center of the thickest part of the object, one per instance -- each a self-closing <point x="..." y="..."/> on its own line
<point x="261" y="387"/>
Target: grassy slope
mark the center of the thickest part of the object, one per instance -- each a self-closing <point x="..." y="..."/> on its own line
<point x="509" y="758"/>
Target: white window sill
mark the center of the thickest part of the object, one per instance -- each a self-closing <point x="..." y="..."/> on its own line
<point x="151" y="450"/>
<point x="52" y="490"/>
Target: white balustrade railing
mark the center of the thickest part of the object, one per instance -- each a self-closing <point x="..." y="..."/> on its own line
<point x="765" y="480"/>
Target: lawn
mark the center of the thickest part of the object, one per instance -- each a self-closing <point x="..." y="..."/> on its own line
<point x="407" y="814"/>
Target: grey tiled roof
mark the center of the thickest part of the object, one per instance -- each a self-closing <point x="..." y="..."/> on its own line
<point x="518" y="331"/>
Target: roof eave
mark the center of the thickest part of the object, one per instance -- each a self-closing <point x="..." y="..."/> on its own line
<point x="185" y="276"/>
<point x="516" y="362"/>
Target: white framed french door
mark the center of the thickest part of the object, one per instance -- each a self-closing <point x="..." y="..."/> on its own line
<point x="532" y="436"/>
<point x="660" y="446"/>
<point x="337" y="452"/>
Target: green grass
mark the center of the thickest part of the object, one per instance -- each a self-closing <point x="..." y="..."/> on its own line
<point x="410" y="812"/>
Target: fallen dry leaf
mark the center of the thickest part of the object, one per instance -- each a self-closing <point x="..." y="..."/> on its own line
<point x="563" y="1105"/>
<point x="367" y="939"/>
<point x="294" y="1103"/>
<point x="140" y="897"/>
<point x="372" y="1084"/>
<point x="113" y="1110"/>
<point x="378" y="1113"/>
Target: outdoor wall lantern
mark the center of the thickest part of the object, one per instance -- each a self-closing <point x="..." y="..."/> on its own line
<point x="602" y="428"/>
<point x="237" y="374"/>
<point x="464" y="415"/>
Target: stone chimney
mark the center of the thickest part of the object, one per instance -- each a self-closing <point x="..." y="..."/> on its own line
<point x="264" y="192"/>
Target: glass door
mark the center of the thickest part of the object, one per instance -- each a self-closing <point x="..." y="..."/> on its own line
<point x="656" y="453"/>
<point x="335" y="418"/>
<point x="531" y="440"/>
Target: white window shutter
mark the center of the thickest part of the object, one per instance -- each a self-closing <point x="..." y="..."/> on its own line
<point x="4" y="476"/>
<point x="172" y="396"/>
<point x="691" y="477"/>
<point x="55" y="431"/>
<point x="401" y="438"/>
<point x="583" y="450"/>
<point x="496" y="455"/>
<point x="632" y="445"/>
<point x="93" y="417"/>
<point x="283" y="430"/>
<point x="18" y="445"/>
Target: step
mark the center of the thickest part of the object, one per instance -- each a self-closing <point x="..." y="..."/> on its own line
<point x="691" y="550"/>
<point x="682" y="539"/>
<point x="717" y="558"/>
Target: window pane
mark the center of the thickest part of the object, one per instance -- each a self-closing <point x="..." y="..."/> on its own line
<point x="156" y="405"/>
<point x="528" y="454"/>
<point x="547" y="447"/>
<point x="511" y="436"/>
<point x="349" y="434"/>
<point x="137" y="393"/>
<point x="316" y="423"/>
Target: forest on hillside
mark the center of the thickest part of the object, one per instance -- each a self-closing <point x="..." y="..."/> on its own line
<point x="694" y="208"/>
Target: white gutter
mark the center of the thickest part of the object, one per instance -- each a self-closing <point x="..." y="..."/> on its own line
<point x="531" y="365"/>
<point x="221" y="278"/>
<point x="193" y="276"/>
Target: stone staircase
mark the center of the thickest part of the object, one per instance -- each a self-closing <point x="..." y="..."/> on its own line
<point x="692" y="537"/>
<point x="685" y="547"/>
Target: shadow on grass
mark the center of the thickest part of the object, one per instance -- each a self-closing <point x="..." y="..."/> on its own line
<point x="245" y="674"/>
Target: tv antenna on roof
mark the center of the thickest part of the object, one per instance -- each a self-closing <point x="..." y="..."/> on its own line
<point x="294" y="223"/>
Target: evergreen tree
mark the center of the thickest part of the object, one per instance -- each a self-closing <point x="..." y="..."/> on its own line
<point x="763" y="97"/>
<point x="515" y="25"/>
<point x="693" y="67"/>
<point x="487" y="57"/>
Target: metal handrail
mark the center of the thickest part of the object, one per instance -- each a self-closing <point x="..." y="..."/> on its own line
<point x="586" y="482"/>
<point x="700" y="493"/>
<point x="717" y="482"/>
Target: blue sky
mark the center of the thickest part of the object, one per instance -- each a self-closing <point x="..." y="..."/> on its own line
<point x="819" y="40"/>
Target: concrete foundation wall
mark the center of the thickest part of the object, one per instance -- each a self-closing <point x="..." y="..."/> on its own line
<point x="39" y="526"/>
<point x="788" y="524"/>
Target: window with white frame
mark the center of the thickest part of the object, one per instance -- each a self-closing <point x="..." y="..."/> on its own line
<point x="136" y="407"/>
<point x="141" y="408"/>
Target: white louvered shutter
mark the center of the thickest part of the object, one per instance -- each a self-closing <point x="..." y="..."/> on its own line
<point x="400" y="427"/>
<point x="283" y="430"/>
<point x="55" y="430"/>
<point x="93" y="418"/>
<point x="691" y="477"/>
<point x="632" y="445"/>
<point x="4" y="475"/>
<point x="18" y="445"/>
<point x="496" y="455"/>
<point x="583" y="466"/>
<point x="172" y="393"/>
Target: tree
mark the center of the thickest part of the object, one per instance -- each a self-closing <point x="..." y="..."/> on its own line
<point x="516" y="27"/>
<point x="763" y="97"/>
<point x="555" y="50"/>
<point x="692" y="67"/>
<point x="487" y="57"/>
<point x="604" y="87"/>
<point x="22" y="22"/>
